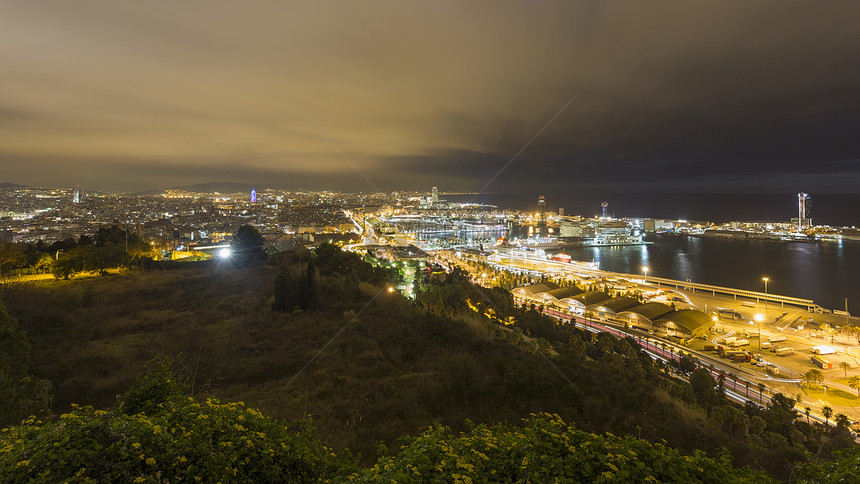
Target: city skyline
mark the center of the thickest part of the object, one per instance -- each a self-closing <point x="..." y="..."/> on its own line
<point x="587" y="97"/>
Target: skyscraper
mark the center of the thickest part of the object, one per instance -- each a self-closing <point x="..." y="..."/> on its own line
<point x="434" y="199"/>
<point x="253" y="196"/>
<point x="803" y="210"/>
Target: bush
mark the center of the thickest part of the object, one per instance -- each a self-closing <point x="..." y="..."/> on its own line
<point x="546" y="450"/>
<point x="186" y="441"/>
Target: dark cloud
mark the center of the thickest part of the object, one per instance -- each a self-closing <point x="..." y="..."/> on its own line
<point x="685" y="96"/>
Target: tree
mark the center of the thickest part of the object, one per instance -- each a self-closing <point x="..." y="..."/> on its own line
<point x="248" y="239"/>
<point x="760" y="392"/>
<point x="806" y="410"/>
<point x="845" y="366"/>
<point x="842" y="421"/>
<point x="854" y="382"/>
<point x="703" y="384"/>
<point x="12" y="256"/>
<point x="43" y="262"/>
<point x="827" y="412"/>
<point x="813" y="377"/>
<point x="285" y="292"/>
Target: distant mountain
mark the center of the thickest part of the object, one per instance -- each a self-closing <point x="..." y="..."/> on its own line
<point x="220" y="187"/>
<point x="11" y="185"/>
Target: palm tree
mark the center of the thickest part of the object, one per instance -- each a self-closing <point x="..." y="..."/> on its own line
<point x="760" y="392"/>
<point x="827" y="412"/>
<point x="842" y="420"/>
<point x="813" y="376"/>
<point x="806" y="410"/>
<point x="854" y="382"/>
<point x="845" y="366"/>
<point x="747" y="384"/>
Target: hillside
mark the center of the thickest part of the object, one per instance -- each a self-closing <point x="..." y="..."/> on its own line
<point x="395" y="368"/>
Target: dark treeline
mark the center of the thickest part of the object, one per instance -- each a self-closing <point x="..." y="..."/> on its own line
<point x="108" y="248"/>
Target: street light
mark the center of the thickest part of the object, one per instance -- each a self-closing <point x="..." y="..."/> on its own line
<point x="765" y="279"/>
<point x="645" y="271"/>
<point x="484" y="275"/>
<point x="758" y="318"/>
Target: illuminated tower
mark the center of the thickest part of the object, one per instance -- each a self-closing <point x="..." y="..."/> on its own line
<point x="253" y="196"/>
<point x="803" y="200"/>
<point x="604" y="205"/>
<point x="434" y="199"/>
<point x="76" y="196"/>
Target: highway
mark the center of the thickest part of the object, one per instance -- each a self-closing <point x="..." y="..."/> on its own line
<point x="735" y="387"/>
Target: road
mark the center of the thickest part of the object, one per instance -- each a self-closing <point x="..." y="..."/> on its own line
<point x="735" y="387"/>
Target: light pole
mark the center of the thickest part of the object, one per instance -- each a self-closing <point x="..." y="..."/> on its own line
<point x="765" y="279"/>
<point x="758" y="318"/>
<point x="645" y="271"/>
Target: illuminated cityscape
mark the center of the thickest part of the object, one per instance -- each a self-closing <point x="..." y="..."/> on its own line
<point x="430" y="242"/>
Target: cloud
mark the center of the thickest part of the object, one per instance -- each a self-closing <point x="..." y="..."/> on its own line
<point x="672" y="94"/>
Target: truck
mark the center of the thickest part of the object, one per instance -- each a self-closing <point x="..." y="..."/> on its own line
<point x="741" y="357"/>
<point x="766" y="344"/>
<point x="821" y="362"/>
<point x="730" y="314"/>
<point x="709" y="347"/>
<point x="784" y="351"/>
<point x="740" y="342"/>
<point x="730" y="340"/>
<point x="730" y="354"/>
<point x="749" y="304"/>
<point x="776" y="339"/>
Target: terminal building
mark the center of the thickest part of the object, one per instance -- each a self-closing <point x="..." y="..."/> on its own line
<point x="652" y="316"/>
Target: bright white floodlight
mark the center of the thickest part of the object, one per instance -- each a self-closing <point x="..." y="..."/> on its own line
<point x="224" y="253"/>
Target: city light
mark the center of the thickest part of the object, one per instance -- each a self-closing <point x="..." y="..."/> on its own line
<point x="224" y="253"/>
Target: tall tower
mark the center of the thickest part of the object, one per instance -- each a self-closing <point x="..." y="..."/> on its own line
<point x="803" y="200"/>
<point x="253" y="196"/>
<point x="76" y="195"/>
<point x="434" y="198"/>
<point x="604" y="205"/>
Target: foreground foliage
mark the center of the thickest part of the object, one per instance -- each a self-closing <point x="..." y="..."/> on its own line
<point x="546" y="449"/>
<point x="184" y="441"/>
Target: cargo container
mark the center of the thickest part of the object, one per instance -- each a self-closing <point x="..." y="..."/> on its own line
<point x="709" y="347"/>
<point x="740" y="342"/>
<point x="784" y="351"/>
<point x="730" y="340"/>
<point x="765" y="345"/>
<point x="776" y="339"/>
<point x="821" y="363"/>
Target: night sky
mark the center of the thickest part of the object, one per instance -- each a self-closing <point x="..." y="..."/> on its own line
<point x="587" y="97"/>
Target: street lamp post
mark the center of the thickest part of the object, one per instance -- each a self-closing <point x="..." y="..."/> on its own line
<point x="765" y="279"/>
<point x="758" y="318"/>
<point x="645" y="271"/>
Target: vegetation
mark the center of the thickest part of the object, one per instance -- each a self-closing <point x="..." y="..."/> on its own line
<point x="109" y="248"/>
<point x="371" y="366"/>
<point x="22" y="393"/>
<point x="159" y="434"/>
